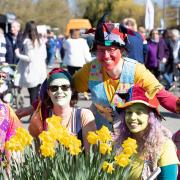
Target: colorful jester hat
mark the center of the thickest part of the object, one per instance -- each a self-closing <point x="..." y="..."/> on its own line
<point x="110" y="34"/>
<point x="137" y="94"/>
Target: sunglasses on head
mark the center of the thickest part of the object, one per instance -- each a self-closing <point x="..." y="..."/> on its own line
<point x="55" y="88"/>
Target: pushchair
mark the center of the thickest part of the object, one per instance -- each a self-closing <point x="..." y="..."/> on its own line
<point x="9" y="93"/>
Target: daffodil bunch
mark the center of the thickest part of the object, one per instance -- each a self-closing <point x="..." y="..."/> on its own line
<point x="19" y="141"/>
<point x="57" y="133"/>
<point x="60" y="155"/>
<point x="103" y="139"/>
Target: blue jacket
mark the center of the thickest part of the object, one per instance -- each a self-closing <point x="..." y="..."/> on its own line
<point x="135" y="47"/>
<point x="11" y="46"/>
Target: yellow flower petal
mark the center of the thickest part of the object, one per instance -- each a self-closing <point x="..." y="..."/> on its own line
<point x="104" y="134"/>
<point x="122" y="160"/>
<point x="92" y="137"/>
<point x="105" y="148"/>
<point x="108" y="167"/>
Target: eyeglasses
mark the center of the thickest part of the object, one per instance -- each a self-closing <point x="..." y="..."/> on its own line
<point x="55" y="88"/>
<point x="110" y="50"/>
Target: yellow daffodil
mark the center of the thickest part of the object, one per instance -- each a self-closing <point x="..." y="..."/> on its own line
<point x="122" y="160"/>
<point x="92" y="137"/>
<point x="130" y="146"/>
<point x="19" y="141"/>
<point x="54" y="121"/>
<point x="47" y="136"/>
<point x="65" y="140"/>
<point x="129" y="151"/>
<point x="108" y="167"/>
<point x="23" y="136"/>
<point x="74" y="150"/>
<point x="47" y="151"/>
<point x="104" y="134"/>
<point x="14" y="146"/>
<point x="61" y="133"/>
<point x="75" y="141"/>
<point x="105" y="148"/>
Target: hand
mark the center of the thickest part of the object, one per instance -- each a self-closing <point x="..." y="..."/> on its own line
<point x="17" y="51"/>
<point x="24" y="112"/>
<point x="178" y="66"/>
<point x="164" y="60"/>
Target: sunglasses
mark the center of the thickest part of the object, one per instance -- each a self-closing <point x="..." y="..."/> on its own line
<point x="55" y="88"/>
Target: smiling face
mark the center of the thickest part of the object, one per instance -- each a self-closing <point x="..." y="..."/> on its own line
<point x="136" y="117"/>
<point x="108" y="56"/>
<point x="60" y="92"/>
<point x="15" y="28"/>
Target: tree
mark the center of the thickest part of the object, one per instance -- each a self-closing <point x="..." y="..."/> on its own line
<point x="55" y="13"/>
<point x="118" y="9"/>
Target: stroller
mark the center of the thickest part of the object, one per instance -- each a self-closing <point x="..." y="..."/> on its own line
<point x="9" y="93"/>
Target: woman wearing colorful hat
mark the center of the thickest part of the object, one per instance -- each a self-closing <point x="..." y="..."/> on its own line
<point x="112" y="73"/>
<point x="141" y="120"/>
<point x="58" y="97"/>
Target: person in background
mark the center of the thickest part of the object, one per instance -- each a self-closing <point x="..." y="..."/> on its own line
<point x="141" y="121"/>
<point x="157" y="54"/>
<point x="51" y="49"/>
<point x="60" y="49"/>
<point x="14" y="40"/>
<point x="2" y="47"/>
<point x="168" y="74"/>
<point x="76" y="51"/>
<point x="175" y="45"/>
<point x="31" y="69"/>
<point x="59" y="98"/>
<point x="134" y="45"/>
<point x="143" y="33"/>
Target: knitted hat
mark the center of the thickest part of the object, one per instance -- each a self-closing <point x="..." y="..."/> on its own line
<point x="138" y="95"/>
<point x="57" y="73"/>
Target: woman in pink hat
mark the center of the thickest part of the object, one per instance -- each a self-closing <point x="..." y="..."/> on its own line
<point x="156" y="154"/>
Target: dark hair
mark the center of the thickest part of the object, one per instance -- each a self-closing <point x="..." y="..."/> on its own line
<point x="151" y="32"/>
<point x="31" y="32"/>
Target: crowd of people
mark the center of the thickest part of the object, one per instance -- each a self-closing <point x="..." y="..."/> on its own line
<point x="124" y="81"/>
